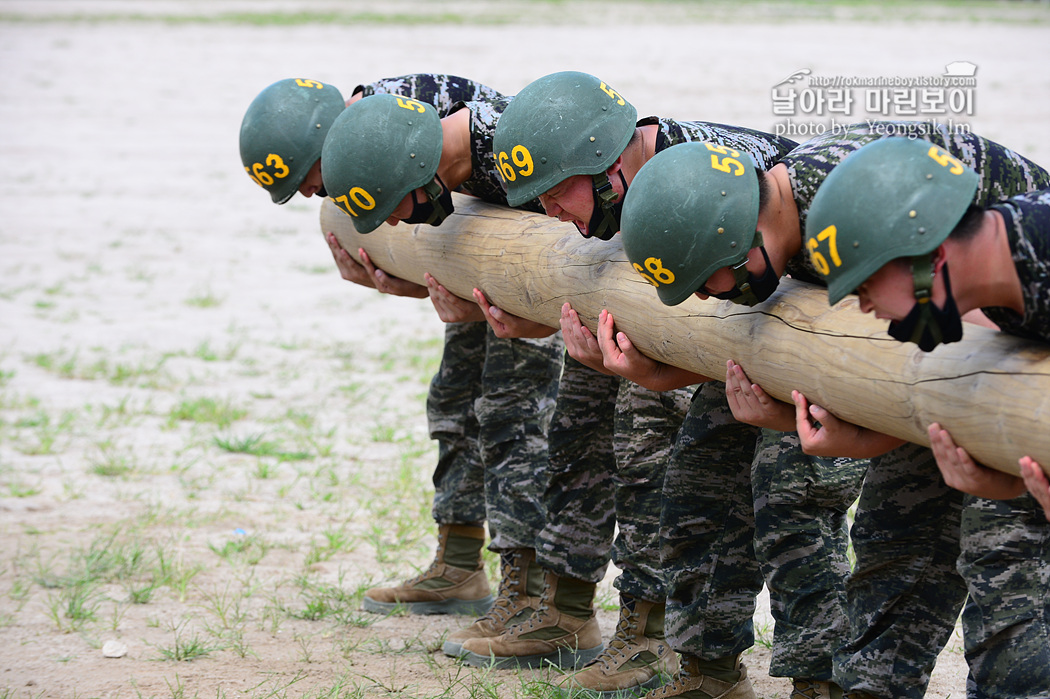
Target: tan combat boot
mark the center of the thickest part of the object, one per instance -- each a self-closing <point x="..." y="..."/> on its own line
<point x="563" y="631"/>
<point x="520" y="586"/>
<point x="814" y="689"/>
<point x="692" y="683"/>
<point x="443" y="588"/>
<point x="636" y="659"/>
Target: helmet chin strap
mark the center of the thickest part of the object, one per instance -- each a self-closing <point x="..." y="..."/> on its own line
<point x="605" y="221"/>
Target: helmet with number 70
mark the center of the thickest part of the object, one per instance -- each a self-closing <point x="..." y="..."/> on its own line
<point x="558" y="126"/>
<point x="691" y="210"/>
<point x="895" y="197"/>
<point x="379" y="150"/>
<point x="283" y="131"/>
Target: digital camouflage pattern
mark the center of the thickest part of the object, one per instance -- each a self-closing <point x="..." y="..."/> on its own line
<point x="490" y="402"/>
<point x="1003" y="172"/>
<point x="598" y="448"/>
<point x="442" y="91"/>
<point x="1027" y="219"/>
<point x="1010" y="657"/>
<point x="902" y="606"/>
<point x="764" y="148"/>
<point x="485" y="183"/>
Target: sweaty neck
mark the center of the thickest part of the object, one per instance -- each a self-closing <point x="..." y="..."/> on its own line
<point x="983" y="270"/>
<point x="638" y="152"/>
<point x="778" y="220"/>
<point x="456" y="165"/>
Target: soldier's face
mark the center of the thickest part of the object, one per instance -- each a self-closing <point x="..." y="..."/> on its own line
<point x="404" y="209"/>
<point x="570" y="200"/>
<point x="890" y="292"/>
<point x="313" y="183"/>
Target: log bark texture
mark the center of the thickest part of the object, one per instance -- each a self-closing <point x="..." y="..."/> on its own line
<point x="991" y="391"/>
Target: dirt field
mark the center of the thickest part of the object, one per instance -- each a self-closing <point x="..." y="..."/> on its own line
<point x="210" y="444"/>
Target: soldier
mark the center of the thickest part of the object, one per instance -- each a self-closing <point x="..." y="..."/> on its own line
<point x="281" y="142"/>
<point x="745" y="231"/>
<point x="922" y="255"/>
<point x="581" y="170"/>
<point x="389" y="158"/>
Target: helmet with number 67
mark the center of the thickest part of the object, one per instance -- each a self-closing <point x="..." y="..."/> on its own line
<point x="558" y="126"/>
<point x="283" y="131"/>
<point x="691" y="210"/>
<point x="380" y="149"/>
<point x="895" y="197"/>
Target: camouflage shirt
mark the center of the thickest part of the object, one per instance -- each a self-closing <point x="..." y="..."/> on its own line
<point x="442" y="91"/>
<point x="1027" y="219"/>
<point x="1003" y="173"/>
<point x="484" y="181"/>
<point x="765" y="149"/>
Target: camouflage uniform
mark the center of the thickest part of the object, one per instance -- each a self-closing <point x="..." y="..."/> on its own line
<point x="1007" y="640"/>
<point x="707" y="511"/>
<point x="519" y="379"/>
<point x="491" y="399"/>
<point x="905" y="592"/>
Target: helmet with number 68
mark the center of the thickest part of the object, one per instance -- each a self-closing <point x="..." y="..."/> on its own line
<point x="684" y="218"/>
<point x="895" y="197"/>
<point x="282" y="133"/>
<point x="380" y="149"/>
<point x="558" y="126"/>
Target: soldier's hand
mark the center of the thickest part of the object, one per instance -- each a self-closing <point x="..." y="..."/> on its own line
<point x="753" y="406"/>
<point x="349" y="269"/>
<point x="1036" y="482"/>
<point x="621" y="357"/>
<point x="387" y="284"/>
<point x="961" y="472"/>
<point x="451" y="308"/>
<point x="823" y="434"/>
<point x="506" y="324"/>
<point x="579" y="342"/>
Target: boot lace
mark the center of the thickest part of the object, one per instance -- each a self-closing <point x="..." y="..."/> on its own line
<point x="503" y="608"/>
<point x="626" y="632"/>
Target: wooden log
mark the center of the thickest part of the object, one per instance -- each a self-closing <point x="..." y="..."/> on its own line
<point x="991" y="390"/>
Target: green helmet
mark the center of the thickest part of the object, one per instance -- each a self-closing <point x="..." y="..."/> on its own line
<point x="561" y="125"/>
<point x="896" y="197"/>
<point x="380" y="149"/>
<point x="691" y="210"/>
<point x="282" y="133"/>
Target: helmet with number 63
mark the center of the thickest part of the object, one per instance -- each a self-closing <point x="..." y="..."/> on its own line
<point x="683" y="219"/>
<point x="282" y="133"/>
<point x="893" y="198"/>
<point x="380" y="149"/>
<point x="558" y="126"/>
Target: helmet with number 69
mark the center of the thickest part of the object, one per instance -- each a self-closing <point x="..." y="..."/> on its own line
<point x="896" y="197"/>
<point x="380" y="149"/>
<point x="558" y="126"/>
<point x="282" y="133"/>
<point x="691" y="210"/>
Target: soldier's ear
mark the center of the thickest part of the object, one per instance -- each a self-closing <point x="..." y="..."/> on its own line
<point x="615" y="167"/>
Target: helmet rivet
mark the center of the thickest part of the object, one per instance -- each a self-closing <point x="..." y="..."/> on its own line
<point x="598" y="153"/>
<point x="543" y="160"/>
<point x="856" y="243"/>
<point x="411" y="155"/>
<point x="317" y="126"/>
<point x="912" y="214"/>
<point x="929" y="176"/>
<point x="379" y="190"/>
<point x="721" y="230"/>
<point x="723" y="193"/>
<point x="592" y="139"/>
<point x="733" y="244"/>
<point x="921" y="229"/>
<point x="422" y="165"/>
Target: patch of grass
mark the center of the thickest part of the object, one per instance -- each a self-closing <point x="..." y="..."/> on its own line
<point x="204" y="299"/>
<point x="208" y="410"/>
<point x="185" y="647"/>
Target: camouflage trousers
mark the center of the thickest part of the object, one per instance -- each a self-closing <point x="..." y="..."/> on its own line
<point x="1005" y="561"/>
<point x="610" y="441"/>
<point x="489" y="407"/>
<point x="922" y="549"/>
<point x="735" y="515"/>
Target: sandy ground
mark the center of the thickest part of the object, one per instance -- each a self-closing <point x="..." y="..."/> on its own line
<point x="144" y="280"/>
